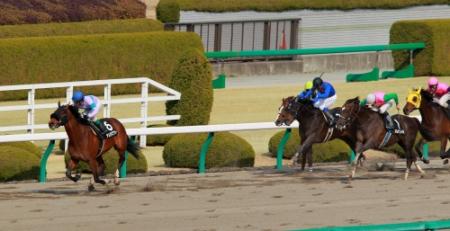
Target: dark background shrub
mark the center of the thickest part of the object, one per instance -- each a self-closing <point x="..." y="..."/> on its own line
<point x="111" y="160"/>
<point x="191" y="76"/>
<point x="226" y="150"/>
<point x="434" y="59"/>
<point x="43" y="11"/>
<point x="332" y="151"/>
<point x="168" y="11"/>
<point x="18" y="164"/>
<point x="158" y="140"/>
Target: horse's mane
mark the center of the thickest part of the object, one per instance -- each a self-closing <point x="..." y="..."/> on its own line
<point x="426" y="95"/>
<point x="74" y="110"/>
<point x="354" y="100"/>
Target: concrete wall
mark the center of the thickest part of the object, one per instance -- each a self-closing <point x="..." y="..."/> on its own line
<point x="305" y="64"/>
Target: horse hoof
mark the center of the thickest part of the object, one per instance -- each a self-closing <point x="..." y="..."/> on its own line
<point x="425" y="161"/>
<point x="116" y="181"/>
<point x="91" y="188"/>
<point x="103" y="182"/>
<point x="445" y="161"/>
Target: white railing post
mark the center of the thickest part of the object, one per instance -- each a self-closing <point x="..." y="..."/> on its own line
<point x="107" y="101"/>
<point x="144" y="112"/>
<point x="69" y="94"/>
<point x="30" y="111"/>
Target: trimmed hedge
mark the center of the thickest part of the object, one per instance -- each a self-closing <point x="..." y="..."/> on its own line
<point x="89" y="57"/>
<point x="43" y="11"/>
<point x="111" y="159"/>
<point x="332" y="151"/>
<point x="192" y="76"/>
<point x="226" y="150"/>
<point x="285" y="5"/>
<point x="18" y="164"/>
<point x="78" y="28"/>
<point x="168" y="11"/>
<point x="25" y="145"/>
<point x="434" y="59"/>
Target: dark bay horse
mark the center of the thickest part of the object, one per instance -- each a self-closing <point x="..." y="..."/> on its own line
<point x="313" y="127"/>
<point x="371" y="131"/>
<point x="84" y="144"/>
<point x="435" y="123"/>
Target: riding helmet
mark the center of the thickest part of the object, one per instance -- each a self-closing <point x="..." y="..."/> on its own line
<point x="370" y="98"/>
<point x="432" y="81"/>
<point x="77" y="96"/>
<point x="308" y="85"/>
<point x="317" y="82"/>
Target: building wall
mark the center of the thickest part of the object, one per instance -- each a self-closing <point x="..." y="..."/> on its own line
<point x="330" y="28"/>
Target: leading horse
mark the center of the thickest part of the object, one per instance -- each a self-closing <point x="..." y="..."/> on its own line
<point x="435" y="125"/>
<point x="84" y="144"/>
<point x="371" y="132"/>
<point x="313" y="127"/>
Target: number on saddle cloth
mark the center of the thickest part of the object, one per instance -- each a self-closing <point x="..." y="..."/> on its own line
<point x="106" y="129"/>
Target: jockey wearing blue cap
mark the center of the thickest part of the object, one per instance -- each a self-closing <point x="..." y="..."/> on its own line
<point x="324" y="96"/>
<point x="89" y="103"/>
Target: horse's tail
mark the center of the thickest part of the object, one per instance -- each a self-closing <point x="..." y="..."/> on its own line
<point x="133" y="148"/>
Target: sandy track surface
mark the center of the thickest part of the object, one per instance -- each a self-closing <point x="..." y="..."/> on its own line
<point x="243" y="200"/>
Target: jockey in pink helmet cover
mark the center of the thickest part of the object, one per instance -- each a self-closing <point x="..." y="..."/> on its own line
<point x="439" y="90"/>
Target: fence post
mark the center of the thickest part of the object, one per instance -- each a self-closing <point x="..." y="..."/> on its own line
<point x="44" y="158"/>
<point x="425" y="151"/>
<point x="123" y="168"/>
<point x="144" y="112"/>
<point x="280" y="150"/>
<point x="351" y="156"/>
<point x="203" y="151"/>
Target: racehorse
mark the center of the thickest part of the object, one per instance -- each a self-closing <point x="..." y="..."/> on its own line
<point x="435" y="123"/>
<point x="84" y="144"/>
<point x="371" y="132"/>
<point x="313" y="127"/>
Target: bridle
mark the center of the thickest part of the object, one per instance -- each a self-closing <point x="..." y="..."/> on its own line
<point x="62" y="120"/>
<point x="349" y="119"/>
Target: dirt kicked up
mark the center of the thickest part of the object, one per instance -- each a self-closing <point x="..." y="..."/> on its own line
<point x="243" y="200"/>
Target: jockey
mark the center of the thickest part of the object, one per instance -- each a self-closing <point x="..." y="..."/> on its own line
<point x="324" y="96"/>
<point x="89" y="103"/>
<point x="440" y="91"/>
<point x="306" y="94"/>
<point x="381" y="102"/>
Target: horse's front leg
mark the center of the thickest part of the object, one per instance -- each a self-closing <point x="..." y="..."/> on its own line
<point x="71" y="166"/>
<point x="442" y="153"/>
<point x="95" y="176"/>
<point x="302" y="148"/>
<point x="418" y="147"/>
<point x="359" y="149"/>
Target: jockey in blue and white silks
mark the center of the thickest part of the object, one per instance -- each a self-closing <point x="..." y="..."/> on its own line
<point x="324" y="96"/>
<point x="90" y="104"/>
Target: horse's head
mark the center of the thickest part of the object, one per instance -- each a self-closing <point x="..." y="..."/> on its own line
<point x="61" y="115"/>
<point x="348" y="114"/>
<point x="413" y="101"/>
<point x="287" y="112"/>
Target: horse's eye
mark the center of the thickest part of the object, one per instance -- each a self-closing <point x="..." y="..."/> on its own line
<point x="414" y="99"/>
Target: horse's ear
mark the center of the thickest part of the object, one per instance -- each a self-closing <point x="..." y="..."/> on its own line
<point x="59" y="103"/>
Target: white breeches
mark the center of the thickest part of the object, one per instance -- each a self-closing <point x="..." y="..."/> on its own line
<point x="443" y="100"/>
<point x="325" y="103"/>
<point x="386" y="106"/>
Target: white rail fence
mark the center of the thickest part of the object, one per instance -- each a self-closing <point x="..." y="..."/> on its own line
<point x="107" y="103"/>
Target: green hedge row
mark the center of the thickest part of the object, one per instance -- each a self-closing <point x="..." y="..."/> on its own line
<point x="435" y="58"/>
<point x="44" y="11"/>
<point x="111" y="159"/>
<point x="19" y="161"/>
<point x="333" y="151"/>
<point x="89" y="57"/>
<point x="78" y="28"/>
<point x="285" y="5"/>
<point x="226" y="150"/>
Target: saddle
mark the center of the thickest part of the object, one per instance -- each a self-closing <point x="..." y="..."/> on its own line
<point x="335" y="112"/>
<point x="103" y="129"/>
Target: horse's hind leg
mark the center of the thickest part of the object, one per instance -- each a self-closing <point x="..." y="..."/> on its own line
<point x="418" y="148"/>
<point x="71" y="166"/>
<point x="119" y="166"/>
<point x="310" y="159"/>
<point x="101" y="166"/>
<point x="94" y="168"/>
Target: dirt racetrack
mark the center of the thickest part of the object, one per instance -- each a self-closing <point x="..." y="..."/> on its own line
<point x="242" y="200"/>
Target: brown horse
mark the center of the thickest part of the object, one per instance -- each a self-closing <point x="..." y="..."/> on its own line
<point x="313" y="127"/>
<point x="84" y="144"/>
<point x="435" y="123"/>
<point x="371" y="131"/>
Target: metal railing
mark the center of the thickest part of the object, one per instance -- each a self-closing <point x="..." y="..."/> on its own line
<point x="107" y="101"/>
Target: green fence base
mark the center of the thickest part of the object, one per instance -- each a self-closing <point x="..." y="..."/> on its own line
<point x="44" y="158"/>
<point x="425" y="151"/>
<point x="351" y="156"/>
<point x="410" y="226"/>
<point x="123" y="168"/>
<point x="364" y="77"/>
<point x="406" y="72"/>
<point x="219" y="82"/>
<point x="203" y="151"/>
<point x="280" y="149"/>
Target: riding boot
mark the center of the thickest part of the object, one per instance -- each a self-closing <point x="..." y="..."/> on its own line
<point x="330" y="117"/>
<point x="389" y="122"/>
<point x="96" y="129"/>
